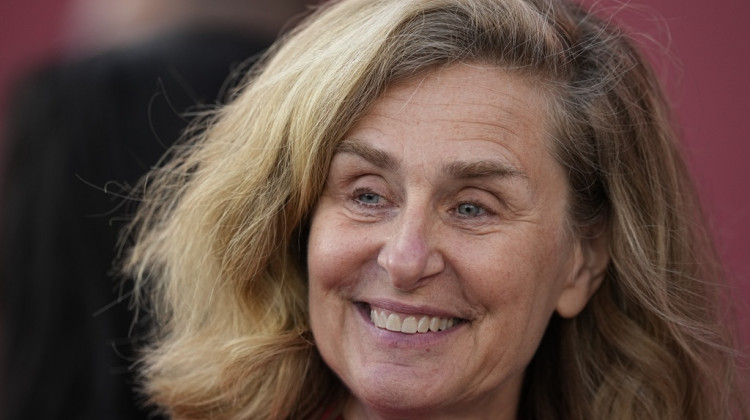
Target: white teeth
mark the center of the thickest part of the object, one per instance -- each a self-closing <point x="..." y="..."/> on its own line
<point x="393" y="323"/>
<point x="424" y="324"/>
<point x="382" y="319"/>
<point x="435" y="324"/>
<point x="410" y="325"/>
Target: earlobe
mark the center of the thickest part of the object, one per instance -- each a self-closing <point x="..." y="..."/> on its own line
<point x="592" y="259"/>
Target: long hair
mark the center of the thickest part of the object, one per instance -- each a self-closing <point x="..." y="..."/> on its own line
<point x="219" y="254"/>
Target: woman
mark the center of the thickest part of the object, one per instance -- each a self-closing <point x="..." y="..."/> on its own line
<point x="434" y="209"/>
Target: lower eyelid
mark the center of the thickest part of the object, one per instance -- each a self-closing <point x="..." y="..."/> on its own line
<point x="360" y="206"/>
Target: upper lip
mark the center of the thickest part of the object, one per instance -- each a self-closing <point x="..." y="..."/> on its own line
<point x="411" y="309"/>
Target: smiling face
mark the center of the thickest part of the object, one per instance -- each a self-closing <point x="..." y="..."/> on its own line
<point x="439" y="248"/>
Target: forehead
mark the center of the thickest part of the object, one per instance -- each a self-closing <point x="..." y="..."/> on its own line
<point x="494" y="85"/>
<point x="478" y="110"/>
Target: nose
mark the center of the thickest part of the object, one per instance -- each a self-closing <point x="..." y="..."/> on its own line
<point x="411" y="255"/>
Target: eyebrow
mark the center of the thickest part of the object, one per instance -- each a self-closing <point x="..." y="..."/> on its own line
<point x="459" y="169"/>
<point x="375" y="156"/>
<point x="482" y="169"/>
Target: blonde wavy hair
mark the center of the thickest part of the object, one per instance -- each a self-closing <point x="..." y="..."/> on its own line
<point x="219" y="239"/>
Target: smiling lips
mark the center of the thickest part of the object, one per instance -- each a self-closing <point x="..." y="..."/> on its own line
<point x="410" y="324"/>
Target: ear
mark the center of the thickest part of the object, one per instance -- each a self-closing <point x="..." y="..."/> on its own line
<point x="590" y="263"/>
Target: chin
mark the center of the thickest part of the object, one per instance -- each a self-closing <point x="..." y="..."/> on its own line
<point x="396" y="396"/>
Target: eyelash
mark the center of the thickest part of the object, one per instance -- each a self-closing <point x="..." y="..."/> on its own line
<point x="358" y="194"/>
<point x="483" y="210"/>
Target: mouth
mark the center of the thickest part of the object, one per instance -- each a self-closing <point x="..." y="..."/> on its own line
<point x="409" y="323"/>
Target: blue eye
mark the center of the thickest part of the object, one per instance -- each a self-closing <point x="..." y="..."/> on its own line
<point x="368" y="198"/>
<point x="468" y="209"/>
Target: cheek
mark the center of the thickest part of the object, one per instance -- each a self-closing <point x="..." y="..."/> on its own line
<point x="324" y="276"/>
<point x="330" y="253"/>
<point x="520" y="275"/>
<point x="338" y="257"/>
<point x="335" y="263"/>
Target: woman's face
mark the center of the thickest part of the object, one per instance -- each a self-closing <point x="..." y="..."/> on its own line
<point x="439" y="248"/>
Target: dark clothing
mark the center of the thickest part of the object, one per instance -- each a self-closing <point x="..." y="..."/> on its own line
<point x="80" y="134"/>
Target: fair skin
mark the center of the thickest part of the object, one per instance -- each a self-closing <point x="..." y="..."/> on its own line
<point x="443" y="205"/>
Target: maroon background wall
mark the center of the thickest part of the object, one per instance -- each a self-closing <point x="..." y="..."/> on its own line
<point x="29" y="31"/>
<point x="706" y="69"/>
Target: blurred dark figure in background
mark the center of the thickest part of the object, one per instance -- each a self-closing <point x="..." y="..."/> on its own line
<point x="78" y="130"/>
